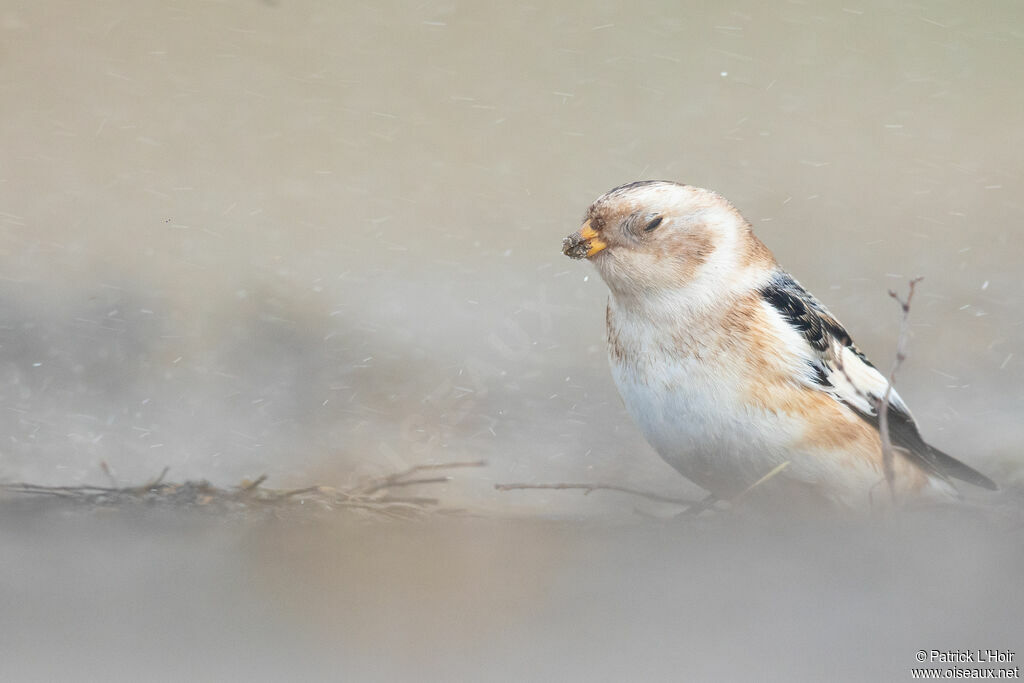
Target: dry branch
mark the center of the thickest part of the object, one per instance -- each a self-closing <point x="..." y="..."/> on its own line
<point x="374" y="495"/>
<point x="400" y="478"/>
<point x="590" y="488"/>
<point x="692" y="506"/>
<point x="888" y="456"/>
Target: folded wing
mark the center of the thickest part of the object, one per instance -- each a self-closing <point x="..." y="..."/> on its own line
<point x="837" y="367"/>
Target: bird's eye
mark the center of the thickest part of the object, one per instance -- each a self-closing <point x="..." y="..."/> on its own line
<point x="653" y="224"/>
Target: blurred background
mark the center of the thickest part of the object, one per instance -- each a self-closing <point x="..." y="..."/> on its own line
<point x="321" y="241"/>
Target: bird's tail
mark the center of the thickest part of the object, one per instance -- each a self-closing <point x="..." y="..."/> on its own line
<point x="955" y="469"/>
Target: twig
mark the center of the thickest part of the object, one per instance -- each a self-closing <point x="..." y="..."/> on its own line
<point x="775" y="470"/>
<point x="705" y="503"/>
<point x="253" y="485"/>
<point x="107" y="471"/>
<point x="692" y="507"/>
<point x="303" y="491"/>
<point x="390" y="500"/>
<point x="398" y="479"/>
<point x="25" y="486"/>
<point x="411" y="482"/>
<point x="881" y="405"/>
<point x="41" y="490"/>
<point x="589" y="488"/>
<point x="154" y="483"/>
<point x="374" y="496"/>
<point x="888" y="456"/>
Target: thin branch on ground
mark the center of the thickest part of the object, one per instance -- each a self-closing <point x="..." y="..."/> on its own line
<point x="691" y="506"/>
<point x="374" y="495"/>
<point x="590" y="488"/>
<point x="399" y="478"/>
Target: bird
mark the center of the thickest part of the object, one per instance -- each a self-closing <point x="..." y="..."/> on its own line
<point x="735" y="374"/>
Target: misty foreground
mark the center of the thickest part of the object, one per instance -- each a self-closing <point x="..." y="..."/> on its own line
<point x="175" y="586"/>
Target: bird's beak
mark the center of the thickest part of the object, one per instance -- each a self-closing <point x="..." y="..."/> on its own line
<point x="583" y="243"/>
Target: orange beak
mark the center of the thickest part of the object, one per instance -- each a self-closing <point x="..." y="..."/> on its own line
<point x="583" y="243"/>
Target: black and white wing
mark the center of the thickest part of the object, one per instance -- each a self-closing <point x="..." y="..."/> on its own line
<point x="838" y="368"/>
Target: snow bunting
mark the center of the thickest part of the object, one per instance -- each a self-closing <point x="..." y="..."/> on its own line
<point x="730" y="368"/>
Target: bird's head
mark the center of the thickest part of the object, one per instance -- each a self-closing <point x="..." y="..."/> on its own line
<point x="656" y="235"/>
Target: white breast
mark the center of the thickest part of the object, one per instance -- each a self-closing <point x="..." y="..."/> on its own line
<point x="685" y="392"/>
